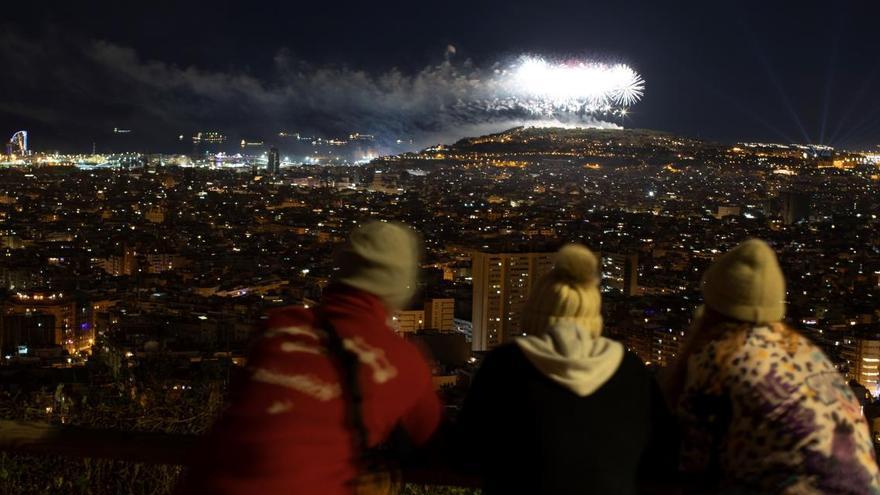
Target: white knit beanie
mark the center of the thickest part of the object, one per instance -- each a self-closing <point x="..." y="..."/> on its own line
<point x="568" y="294"/>
<point x="381" y="258"/>
<point x="746" y="284"/>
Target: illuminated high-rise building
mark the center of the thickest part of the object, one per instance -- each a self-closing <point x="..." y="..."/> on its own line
<point x="408" y="321"/>
<point x="155" y="214"/>
<point x="666" y="345"/>
<point x="501" y="283"/>
<point x="162" y="262"/>
<point x="861" y="350"/>
<point x="621" y="272"/>
<point x="440" y="314"/>
<point x="273" y="165"/>
<point x="62" y="312"/>
<point x="119" y="265"/>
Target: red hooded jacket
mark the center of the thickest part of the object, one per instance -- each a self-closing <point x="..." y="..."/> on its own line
<point x="286" y="429"/>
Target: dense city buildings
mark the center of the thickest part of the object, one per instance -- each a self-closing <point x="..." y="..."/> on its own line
<point x="165" y="237"/>
<point x="113" y="266"/>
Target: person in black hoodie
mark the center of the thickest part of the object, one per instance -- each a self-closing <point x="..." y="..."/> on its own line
<point x="563" y="409"/>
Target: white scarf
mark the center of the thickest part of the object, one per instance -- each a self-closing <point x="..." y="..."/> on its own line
<point x="571" y="356"/>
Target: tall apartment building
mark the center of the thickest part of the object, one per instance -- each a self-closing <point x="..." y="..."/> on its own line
<point x="439" y="314"/>
<point x="408" y="320"/>
<point x="161" y="262"/>
<point x="119" y="265"/>
<point x="501" y="283"/>
<point x="155" y="214"/>
<point x="666" y="345"/>
<point x="60" y="310"/>
<point x="273" y="161"/>
<point x="862" y="353"/>
<point x="795" y="207"/>
<point x="621" y="272"/>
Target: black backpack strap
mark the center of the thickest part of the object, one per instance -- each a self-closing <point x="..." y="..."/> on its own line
<point x="351" y="387"/>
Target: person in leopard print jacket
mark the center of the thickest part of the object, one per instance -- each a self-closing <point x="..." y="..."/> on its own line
<point x="762" y="409"/>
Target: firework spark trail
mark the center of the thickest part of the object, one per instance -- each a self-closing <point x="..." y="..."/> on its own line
<point x="535" y="88"/>
<point x="581" y="87"/>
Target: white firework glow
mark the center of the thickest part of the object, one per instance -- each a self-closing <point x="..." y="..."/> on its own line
<point x="545" y="88"/>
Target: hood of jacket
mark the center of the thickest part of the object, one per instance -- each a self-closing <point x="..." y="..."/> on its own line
<point x="573" y="357"/>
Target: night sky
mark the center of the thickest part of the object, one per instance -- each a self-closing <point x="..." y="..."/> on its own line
<point x="729" y="71"/>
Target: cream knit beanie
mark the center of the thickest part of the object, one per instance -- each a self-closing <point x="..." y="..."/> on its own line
<point x="746" y="284"/>
<point x="567" y="295"/>
<point x="381" y="258"/>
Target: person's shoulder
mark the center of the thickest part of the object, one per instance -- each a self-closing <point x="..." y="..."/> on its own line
<point x="509" y="350"/>
<point x="399" y="345"/>
<point x="508" y="353"/>
<point x="288" y="316"/>
<point x="412" y="362"/>
<point x="632" y="362"/>
<point x="506" y="359"/>
<point x="633" y="367"/>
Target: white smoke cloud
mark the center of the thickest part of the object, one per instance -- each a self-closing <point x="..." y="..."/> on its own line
<point x="439" y="103"/>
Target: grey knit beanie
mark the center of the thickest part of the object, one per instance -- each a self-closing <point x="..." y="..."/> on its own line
<point x="381" y="258"/>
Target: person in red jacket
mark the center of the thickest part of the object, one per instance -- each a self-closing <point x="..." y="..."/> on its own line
<point x="302" y="420"/>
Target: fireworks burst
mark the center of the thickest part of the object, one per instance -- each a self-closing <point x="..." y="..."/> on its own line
<point x="544" y="88"/>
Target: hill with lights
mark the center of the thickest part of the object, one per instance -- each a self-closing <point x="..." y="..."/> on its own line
<point x="570" y="139"/>
<point x="579" y="146"/>
<point x="523" y="147"/>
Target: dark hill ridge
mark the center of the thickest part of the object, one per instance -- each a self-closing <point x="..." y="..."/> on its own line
<point x="561" y="137"/>
<point x="582" y="146"/>
<point x="549" y="134"/>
